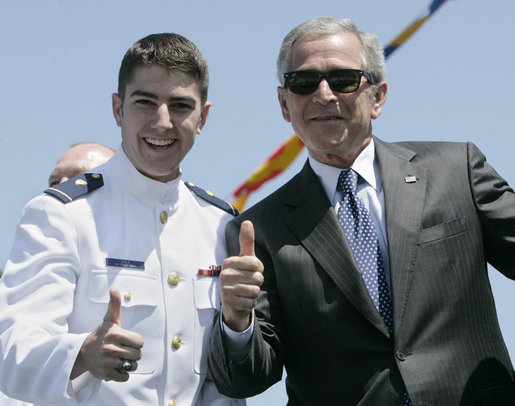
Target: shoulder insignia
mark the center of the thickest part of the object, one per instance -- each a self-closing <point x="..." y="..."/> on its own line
<point x="211" y="198"/>
<point x="76" y="187"/>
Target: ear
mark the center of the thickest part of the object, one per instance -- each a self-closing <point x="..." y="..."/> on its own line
<point x="379" y="99"/>
<point x="283" y="101"/>
<point x="117" y="109"/>
<point x="204" y="113"/>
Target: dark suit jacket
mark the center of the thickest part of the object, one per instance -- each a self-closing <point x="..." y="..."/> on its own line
<point x="314" y="314"/>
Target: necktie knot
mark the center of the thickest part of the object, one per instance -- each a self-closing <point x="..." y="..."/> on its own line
<point x="348" y="181"/>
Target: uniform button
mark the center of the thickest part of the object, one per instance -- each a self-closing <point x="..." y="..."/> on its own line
<point x="176" y="342"/>
<point x="127" y="296"/>
<point x="171" y="402"/>
<point x="164" y="217"/>
<point x="400" y="356"/>
<point x="174" y="278"/>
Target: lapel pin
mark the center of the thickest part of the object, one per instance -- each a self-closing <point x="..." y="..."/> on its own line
<point x="410" y="179"/>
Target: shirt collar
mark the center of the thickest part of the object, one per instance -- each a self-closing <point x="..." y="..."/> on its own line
<point x="365" y="165"/>
<point x="145" y="189"/>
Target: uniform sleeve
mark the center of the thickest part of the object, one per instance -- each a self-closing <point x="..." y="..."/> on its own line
<point x="37" y="352"/>
<point x="495" y="202"/>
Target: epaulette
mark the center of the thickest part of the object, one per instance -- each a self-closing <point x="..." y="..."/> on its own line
<point x="76" y="187"/>
<point x="211" y="198"/>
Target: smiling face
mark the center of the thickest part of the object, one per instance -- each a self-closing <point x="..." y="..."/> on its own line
<point x="335" y="127"/>
<point x="160" y="116"/>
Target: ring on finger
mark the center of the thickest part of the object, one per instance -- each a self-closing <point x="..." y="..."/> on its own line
<point x="125" y="365"/>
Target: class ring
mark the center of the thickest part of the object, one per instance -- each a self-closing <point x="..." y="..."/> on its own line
<point x="125" y="365"/>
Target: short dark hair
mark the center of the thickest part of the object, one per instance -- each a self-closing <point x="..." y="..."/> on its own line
<point x="169" y="50"/>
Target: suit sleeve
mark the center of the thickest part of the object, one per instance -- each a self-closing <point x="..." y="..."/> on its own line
<point x="264" y="364"/>
<point x="495" y="202"/>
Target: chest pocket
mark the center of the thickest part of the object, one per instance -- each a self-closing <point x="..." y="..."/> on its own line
<point x="206" y="291"/>
<point x="443" y="230"/>
<point x="138" y="310"/>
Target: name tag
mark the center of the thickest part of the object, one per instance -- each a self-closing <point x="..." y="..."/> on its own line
<point x="125" y="263"/>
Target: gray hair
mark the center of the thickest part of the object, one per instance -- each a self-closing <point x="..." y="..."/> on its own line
<point x="373" y="59"/>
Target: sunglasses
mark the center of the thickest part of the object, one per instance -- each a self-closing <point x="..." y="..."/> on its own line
<point x="340" y="80"/>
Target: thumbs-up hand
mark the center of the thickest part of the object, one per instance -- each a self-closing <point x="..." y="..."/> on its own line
<point x="113" y="313"/>
<point x="108" y="345"/>
<point x="240" y="282"/>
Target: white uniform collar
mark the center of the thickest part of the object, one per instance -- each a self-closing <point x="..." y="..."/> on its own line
<point x="147" y="190"/>
<point x="365" y="165"/>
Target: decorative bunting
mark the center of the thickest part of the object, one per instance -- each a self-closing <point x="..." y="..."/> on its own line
<point x="412" y="28"/>
<point x="273" y="166"/>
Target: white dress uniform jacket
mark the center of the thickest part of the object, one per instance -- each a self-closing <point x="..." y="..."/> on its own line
<point x="55" y="291"/>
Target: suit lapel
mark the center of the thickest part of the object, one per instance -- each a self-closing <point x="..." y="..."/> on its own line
<point x="404" y="185"/>
<point x="315" y="224"/>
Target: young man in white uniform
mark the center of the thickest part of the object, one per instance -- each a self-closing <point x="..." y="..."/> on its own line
<point x="110" y="290"/>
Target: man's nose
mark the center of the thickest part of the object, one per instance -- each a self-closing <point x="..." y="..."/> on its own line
<point x="162" y="119"/>
<point x="324" y="94"/>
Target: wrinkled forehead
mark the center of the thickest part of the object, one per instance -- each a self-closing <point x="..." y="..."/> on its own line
<point x="327" y="51"/>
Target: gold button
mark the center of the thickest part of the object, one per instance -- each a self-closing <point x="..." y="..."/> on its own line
<point x="174" y="278"/>
<point x="176" y="342"/>
<point x="164" y="217"/>
<point x="171" y="402"/>
<point x="96" y="175"/>
<point x="127" y="296"/>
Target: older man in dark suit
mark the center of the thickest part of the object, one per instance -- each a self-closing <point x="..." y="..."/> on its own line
<point x="374" y="288"/>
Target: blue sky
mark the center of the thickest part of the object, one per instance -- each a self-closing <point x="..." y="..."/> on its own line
<point x="453" y="80"/>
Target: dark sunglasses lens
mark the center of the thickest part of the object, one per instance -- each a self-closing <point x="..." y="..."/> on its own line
<point x="341" y="81"/>
<point x="303" y="82"/>
<point x="344" y="81"/>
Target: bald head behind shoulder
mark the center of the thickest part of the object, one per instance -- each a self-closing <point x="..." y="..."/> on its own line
<point x="79" y="158"/>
